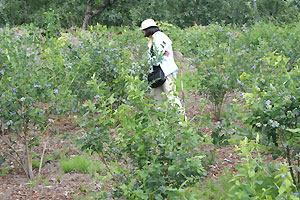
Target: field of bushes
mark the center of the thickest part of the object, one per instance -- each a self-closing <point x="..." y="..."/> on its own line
<point x="79" y="101"/>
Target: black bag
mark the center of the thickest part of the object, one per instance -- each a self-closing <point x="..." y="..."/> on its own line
<point x="157" y="77"/>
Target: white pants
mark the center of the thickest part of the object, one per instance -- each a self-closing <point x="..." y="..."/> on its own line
<point x="168" y="89"/>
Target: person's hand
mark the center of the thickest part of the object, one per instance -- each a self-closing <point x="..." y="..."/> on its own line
<point x="167" y="53"/>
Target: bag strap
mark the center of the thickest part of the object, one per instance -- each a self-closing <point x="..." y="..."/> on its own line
<point x="152" y="51"/>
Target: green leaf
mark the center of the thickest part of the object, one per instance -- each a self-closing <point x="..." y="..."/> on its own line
<point x="158" y="197"/>
<point x="2" y="160"/>
<point x="282" y="189"/>
<point x="269" y="197"/>
<point x="171" y="168"/>
<point x="294" y="197"/>
<point x="259" y="182"/>
<point x="251" y="173"/>
<point x="141" y="194"/>
<point x="296" y="130"/>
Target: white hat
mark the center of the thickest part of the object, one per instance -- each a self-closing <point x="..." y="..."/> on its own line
<point x="148" y="23"/>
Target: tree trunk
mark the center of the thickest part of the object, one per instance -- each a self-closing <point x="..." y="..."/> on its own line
<point x="27" y="154"/>
<point x="288" y="152"/>
<point x="26" y="11"/>
<point x="28" y="165"/>
<point x="196" y="11"/>
<point x="89" y="13"/>
<point x="256" y="11"/>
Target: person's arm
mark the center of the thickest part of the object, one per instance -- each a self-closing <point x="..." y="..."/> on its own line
<point x="160" y="46"/>
<point x="162" y="43"/>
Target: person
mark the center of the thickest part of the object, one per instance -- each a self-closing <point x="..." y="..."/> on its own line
<point x="161" y="44"/>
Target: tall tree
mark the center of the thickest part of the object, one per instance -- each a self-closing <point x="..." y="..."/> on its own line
<point x="26" y="11"/>
<point x="90" y="13"/>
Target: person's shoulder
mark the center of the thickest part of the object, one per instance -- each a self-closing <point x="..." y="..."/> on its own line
<point x="157" y="34"/>
<point x="160" y="35"/>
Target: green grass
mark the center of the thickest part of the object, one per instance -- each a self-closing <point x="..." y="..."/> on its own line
<point x="58" y="177"/>
<point x="3" y="172"/>
<point x="35" y="163"/>
<point x="80" y="164"/>
<point x="35" y="181"/>
<point x="51" y="157"/>
<point x="190" y="81"/>
<point x="211" y="189"/>
<point x="215" y="189"/>
<point x="47" y="182"/>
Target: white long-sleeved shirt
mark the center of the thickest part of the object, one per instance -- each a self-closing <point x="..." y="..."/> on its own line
<point x="164" y="57"/>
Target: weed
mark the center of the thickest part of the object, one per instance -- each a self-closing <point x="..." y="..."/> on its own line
<point x="209" y="159"/>
<point x="79" y="163"/>
<point x="2" y="159"/>
<point x="34" y="182"/>
<point x="51" y="157"/>
<point x="58" y="177"/>
<point x="82" y="188"/>
<point x="3" y="172"/>
<point x="216" y="189"/>
<point x="46" y="182"/>
<point x="189" y="80"/>
<point x="96" y="168"/>
<point x="36" y="163"/>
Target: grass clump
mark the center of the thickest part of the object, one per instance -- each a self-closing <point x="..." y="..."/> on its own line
<point x="79" y="164"/>
<point x="3" y="172"/>
<point x="216" y="189"/>
<point x="35" y="163"/>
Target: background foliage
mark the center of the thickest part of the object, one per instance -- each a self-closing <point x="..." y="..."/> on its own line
<point x="130" y="13"/>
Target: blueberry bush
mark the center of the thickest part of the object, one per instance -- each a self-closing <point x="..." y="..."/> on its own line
<point x="99" y="77"/>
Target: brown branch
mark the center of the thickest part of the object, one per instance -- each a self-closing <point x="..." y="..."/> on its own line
<point x="20" y="161"/>
<point x="298" y="159"/>
<point x="2" y="126"/>
<point x="107" y="167"/>
<point x="42" y="157"/>
<point x="27" y="152"/>
<point x="44" y="149"/>
<point x="290" y="164"/>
